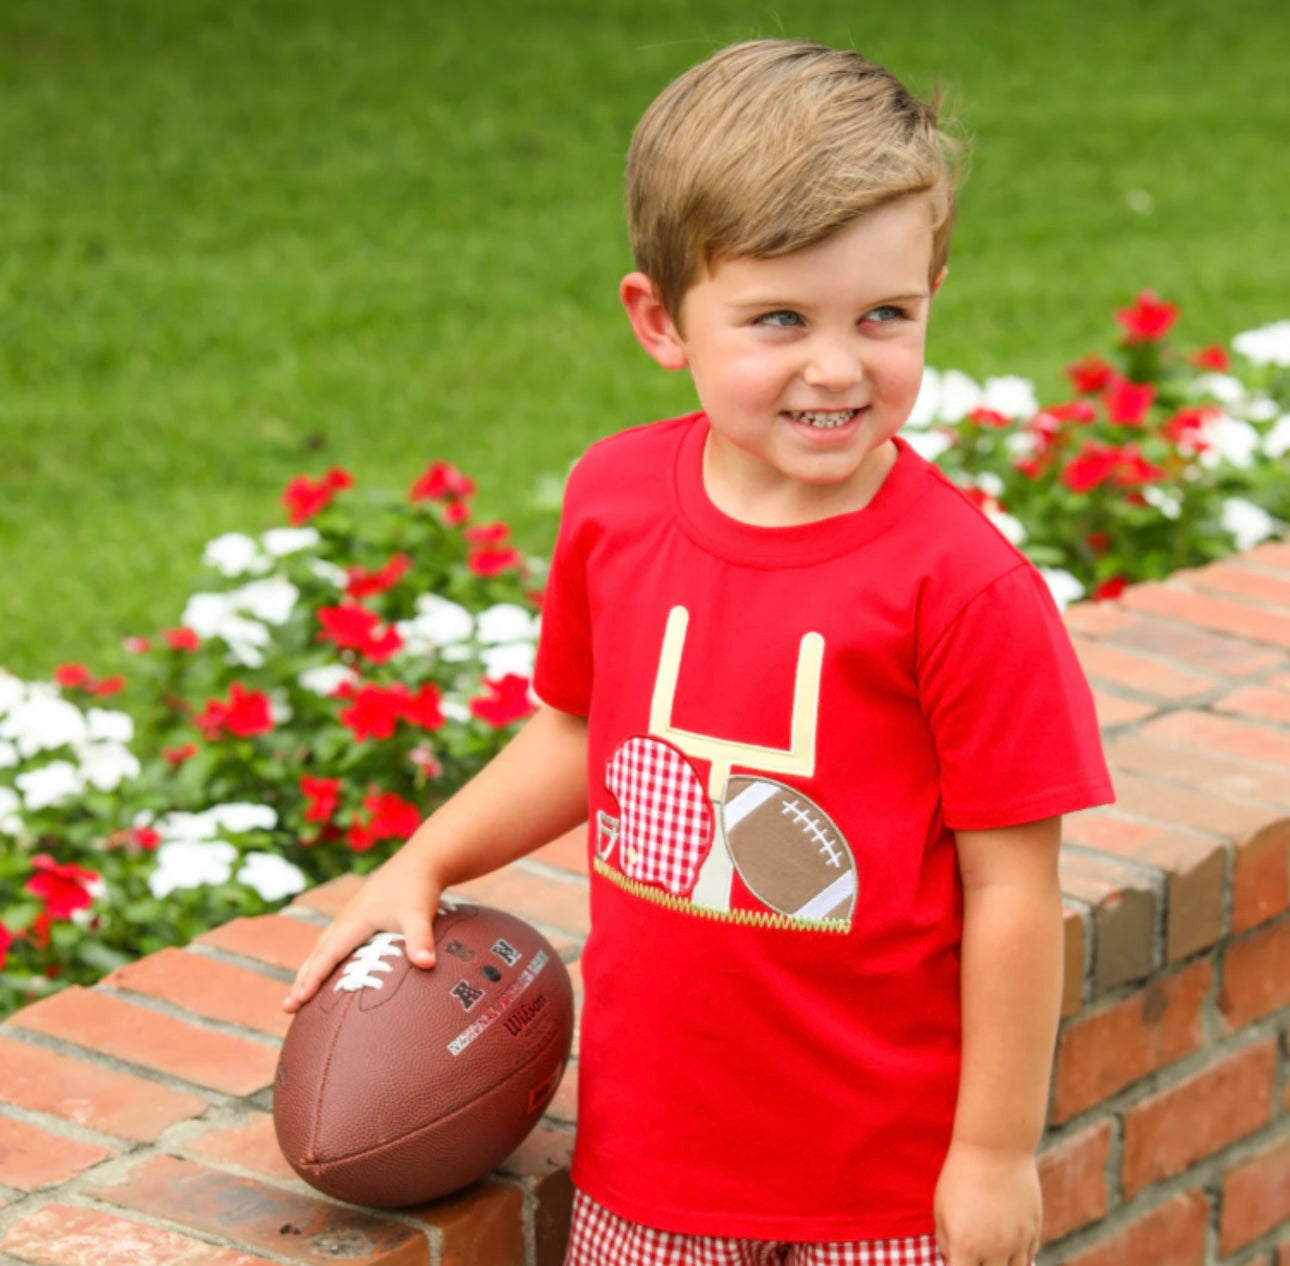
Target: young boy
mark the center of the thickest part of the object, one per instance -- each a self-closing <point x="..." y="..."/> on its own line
<point x="823" y="719"/>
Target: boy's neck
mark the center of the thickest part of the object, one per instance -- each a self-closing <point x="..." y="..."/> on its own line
<point x="785" y="504"/>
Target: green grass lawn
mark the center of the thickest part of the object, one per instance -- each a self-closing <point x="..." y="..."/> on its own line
<point x="238" y="242"/>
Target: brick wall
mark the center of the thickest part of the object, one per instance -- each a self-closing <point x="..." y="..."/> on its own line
<point x="135" y="1116"/>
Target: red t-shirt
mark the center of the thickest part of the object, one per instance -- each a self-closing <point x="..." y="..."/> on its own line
<point x="785" y="727"/>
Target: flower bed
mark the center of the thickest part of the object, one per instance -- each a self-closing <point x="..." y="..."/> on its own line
<point x="340" y="675"/>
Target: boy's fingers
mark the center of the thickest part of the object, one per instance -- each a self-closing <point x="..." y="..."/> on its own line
<point x="418" y="932"/>
<point x="331" y="948"/>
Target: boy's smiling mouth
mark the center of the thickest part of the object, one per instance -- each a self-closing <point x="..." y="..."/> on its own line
<point x="822" y="419"/>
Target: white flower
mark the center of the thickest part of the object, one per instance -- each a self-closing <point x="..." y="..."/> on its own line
<point x="1011" y="527"/>
<point x="923" y="413"/>
<point x="1062" y="585"/>
<point x="455" y="710"/>
<point x="929" y="444"/>
<point x="271" y="600"/>
<point x="279" y="542"/>
<point x="186" y="864"/>
<point x="1021" y="444"/>
<point x="235" y="554"/>
<point x="1222" y="387"/>
<point x="517" y="658"/>
<point x="8" y="756"/>
<point x="1261" y="409"/>
<point x="1229" y="440"/>
<point x="109" y="727"/>
<point x="41" y="722"/>
<point x="329" y="572"/>
<point x="12" y="691"/>
<point x="1248" y="523"/>
<point x="1168" y="503"/>
<point x="49" y="785"/>
<point x="443" y="622"/>
<point x="271" y="876"/>
<point x="959" y="396"/>
<point x="107" y="765"/>
<point x="506" y="622"/>
<point x="1011" y="396"/>
<point x="10" y="822"/>
<point x="215" y="615"/>
<point x="990" y="484"/>
<point x="239" y="817"/>
<point x="1268" y="345"/>
<point x="326" y="679"/>
<point x="205" y="613"/>
<point x="1276" y="443"/>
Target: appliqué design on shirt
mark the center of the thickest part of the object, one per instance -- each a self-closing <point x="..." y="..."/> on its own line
<point x="673" y="835"/>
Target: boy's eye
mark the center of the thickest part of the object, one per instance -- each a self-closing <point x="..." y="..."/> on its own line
<point x="885" y="314"/>
<point x="782" y="319"/>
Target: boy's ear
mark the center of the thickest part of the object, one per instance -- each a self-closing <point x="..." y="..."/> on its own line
<point x="654" y="328"/>
<point x="936" y="285"/>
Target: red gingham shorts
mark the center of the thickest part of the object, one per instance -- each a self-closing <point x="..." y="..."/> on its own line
<point x="601" y="1238"/>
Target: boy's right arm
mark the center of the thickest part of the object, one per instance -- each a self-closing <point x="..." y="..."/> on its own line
<point x="533" y="790"/>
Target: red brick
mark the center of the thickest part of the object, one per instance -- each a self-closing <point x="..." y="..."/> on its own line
<point x="1123" y="901"/>
<point x="1161" y="801"/>
<point x="1172" y="1234"/>
<point x="64" y="1235"/>
<point x="1256" y="1196"/>
<point x="1274" y="555"/>
<point x="1249" y="622"/>
<point x="140" y="1036"/>
<point x="1072" y="1175"/>
<point x="1195" y="648"/>
<point x="252" y="1146"/>
<point x="1115" y="710"/>
<point x="207" y="987"/>
<point x="568" y="852"/>
<point x="1241" y="581"/>
<point x="31" y="1158"/>
<point x="1101" y="1053"/>
<point x="297" y="1227"/>
<point x="1141" y="674"/>
<point x="545" y="1151"/>
<point x="1096" y="619"/>
<point x="1194" y="864"/>
<point x="1280" y="680"/>
<point x="1261" y="877"/>
<point x="1199" y="1116"/>
<point x="1196" y="767"/>
<point x="86" y="1094"/>
<point x="1208" y="730"/>
<point x="552" y="1198"/>
<point x="331" y="897"/>
<point x="1260" y="702"/>
<point x="1256" y="976"/>
<point x="533" y="896"/>
<point x="275" y="939"/>
<point x="481" y="1226"/>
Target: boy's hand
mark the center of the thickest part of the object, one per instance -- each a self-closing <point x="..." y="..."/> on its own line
<point x="400" y="896"/>
<point x="988" y="1207"/>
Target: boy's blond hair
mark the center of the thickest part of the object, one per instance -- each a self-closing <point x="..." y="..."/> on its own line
<point x="771" y="146"/>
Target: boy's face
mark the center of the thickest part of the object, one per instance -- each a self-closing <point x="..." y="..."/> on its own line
<point x="806" y="364"/>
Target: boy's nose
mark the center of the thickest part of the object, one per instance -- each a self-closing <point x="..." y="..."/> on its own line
<point x="832" y="366"/>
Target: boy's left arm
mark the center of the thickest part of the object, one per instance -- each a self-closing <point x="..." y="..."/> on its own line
<point x="988" y="1208"/>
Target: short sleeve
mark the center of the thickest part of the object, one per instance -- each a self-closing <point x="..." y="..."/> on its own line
<point x="1011" y="714"/>
<point x="563" y="671"/>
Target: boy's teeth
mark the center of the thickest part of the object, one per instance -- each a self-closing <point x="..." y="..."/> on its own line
<point x="824" y="420"/>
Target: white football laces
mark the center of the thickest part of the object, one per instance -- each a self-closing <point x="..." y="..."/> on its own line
<point x="369" y="963"/>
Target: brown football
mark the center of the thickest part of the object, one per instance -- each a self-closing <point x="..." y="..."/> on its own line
<point x="397" y="1085"/>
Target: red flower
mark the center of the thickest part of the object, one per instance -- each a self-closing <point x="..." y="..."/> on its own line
<point x="1134" y="469"/>
<point x="137" y="645"/>
<point x="108" y="686"/>
<point x="493" y="562"/>
<point x="1148" y="320"/>
<point x="182" y="639"/>
<point x="375" y="712"/>
<point x="1082" y="411"/>
<point x="442" y="482"/>
<point x="1099" y="542"/>
<point x="422" y="709"/>
<point x="63" y="888"/>
<point x="175" y="756"/>
<point x="507" y="700"/>
<point x="323" y="795"/>
<point x="6" y="940"/>
<point x="364" y="583"/>
<point x="246" y="713"/>
<point x="1127" y="402"/>
<point x="304" y="498"/>
<point x="988" y="417"/>
<point x="1090" y="375"/>
<point x="391" y="818"/>
<point x="1111" y="588"/>
<point x="145" y="837"/>
<point x="1092" y="466"/>
<point x="455" y="513"/>
<point x="1186" y="429"/>
<point x="1214" y="357"/>
<point x="355" y="628"/>
<point x="72" y="676"/>
<point x="487" y="533"/>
